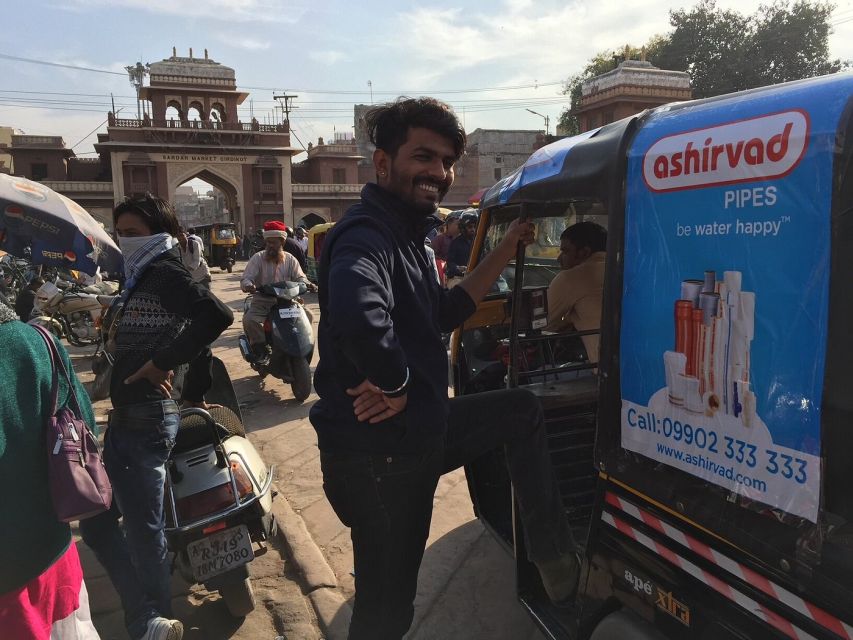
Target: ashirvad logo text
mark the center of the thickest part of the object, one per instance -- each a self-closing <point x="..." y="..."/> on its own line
<point x="761" y="148"/>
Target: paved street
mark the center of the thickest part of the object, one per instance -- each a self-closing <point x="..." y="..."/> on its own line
<point x="466" y="587"/>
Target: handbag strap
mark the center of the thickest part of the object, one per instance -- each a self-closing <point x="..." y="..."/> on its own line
<point x="56" y="364"/>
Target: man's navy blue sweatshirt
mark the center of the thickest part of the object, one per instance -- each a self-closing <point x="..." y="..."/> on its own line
<point x="381" y="312"/>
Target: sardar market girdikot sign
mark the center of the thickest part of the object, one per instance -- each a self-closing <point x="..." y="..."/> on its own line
<point x="191" y="157"/>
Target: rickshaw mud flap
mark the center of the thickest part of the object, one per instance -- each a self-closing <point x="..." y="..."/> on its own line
<point x="806" y="612"/>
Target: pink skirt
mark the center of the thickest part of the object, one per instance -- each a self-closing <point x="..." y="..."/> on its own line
<point x="53" y="606"/>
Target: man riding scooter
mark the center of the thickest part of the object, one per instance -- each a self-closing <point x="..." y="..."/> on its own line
<point x="267" y="267"/>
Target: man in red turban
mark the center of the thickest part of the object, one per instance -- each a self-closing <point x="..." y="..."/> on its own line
<point x="266" y="267"/>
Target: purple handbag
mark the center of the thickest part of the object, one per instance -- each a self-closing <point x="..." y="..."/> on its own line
<point x="79" y="485"/>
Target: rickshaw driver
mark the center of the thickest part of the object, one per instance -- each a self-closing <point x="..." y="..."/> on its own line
<point x="268" y="267"/>
<point x="576" y="292"/>
<point x="386" y="428"/>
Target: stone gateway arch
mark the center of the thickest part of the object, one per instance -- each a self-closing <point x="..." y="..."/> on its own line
<point x="249" y="162"/>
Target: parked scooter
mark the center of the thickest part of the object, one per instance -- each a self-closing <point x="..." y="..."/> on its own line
<point x="289" y="336"/>
<point x="71" y="313"/>
<point x="218" y="498"/>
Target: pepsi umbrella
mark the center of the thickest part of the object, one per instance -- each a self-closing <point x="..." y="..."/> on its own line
<point x="59" y="231"/>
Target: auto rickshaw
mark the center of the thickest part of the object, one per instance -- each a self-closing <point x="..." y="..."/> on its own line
<point x="220" y="244"/>
<point x="704" y="459"/>
<point x="316" y="238"/>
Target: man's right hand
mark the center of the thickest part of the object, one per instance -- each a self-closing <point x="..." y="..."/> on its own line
<point x="249" y="288"/>
<point x="372" y="405"/>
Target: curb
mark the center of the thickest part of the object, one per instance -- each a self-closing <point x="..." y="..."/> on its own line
<point x="333" y="611"/>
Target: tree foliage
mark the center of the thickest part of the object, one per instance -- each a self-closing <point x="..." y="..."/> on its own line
<point x="725" y="51"/>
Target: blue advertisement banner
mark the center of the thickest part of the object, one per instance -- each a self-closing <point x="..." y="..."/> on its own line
<point x="726" y="280"/>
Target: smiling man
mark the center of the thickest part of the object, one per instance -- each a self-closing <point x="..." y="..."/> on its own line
<point x="385" y="426"/>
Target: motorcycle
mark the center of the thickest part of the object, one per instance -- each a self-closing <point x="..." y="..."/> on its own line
<point x="71" y="313"/>
<point x="14" y="275"/>
<point x="289" y="335"/>
<point x="218" y="498"/>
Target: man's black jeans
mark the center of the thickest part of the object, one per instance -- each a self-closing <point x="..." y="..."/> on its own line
<point x="387" y="501"/>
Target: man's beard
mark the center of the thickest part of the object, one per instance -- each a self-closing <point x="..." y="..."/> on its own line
<point x="425" y="208"/>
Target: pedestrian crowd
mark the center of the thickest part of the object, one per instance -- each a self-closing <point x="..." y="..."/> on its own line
<point x="393" y="278"/>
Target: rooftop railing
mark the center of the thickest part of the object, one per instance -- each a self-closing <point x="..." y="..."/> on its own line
<point x="41" y="141"/>
<point x="350" y="149"/>
<point x="309" y="188"/>
<point x="206" y="125"/>
<point x="82" y="186"/>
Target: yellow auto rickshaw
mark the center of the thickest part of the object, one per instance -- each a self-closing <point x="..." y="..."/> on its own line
<point x="316" y="237"/>
<point x="220" y="244"/>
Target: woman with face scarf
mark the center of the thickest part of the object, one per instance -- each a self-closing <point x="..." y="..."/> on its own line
<point x="168" y="320"/>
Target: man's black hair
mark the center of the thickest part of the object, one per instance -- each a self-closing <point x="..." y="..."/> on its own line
<point x="388" y="124"/>
<point x="158" y="214"/>
<point x="586" y="234"/>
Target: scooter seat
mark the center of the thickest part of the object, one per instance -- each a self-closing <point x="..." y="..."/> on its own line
<point x="195" y="431"/>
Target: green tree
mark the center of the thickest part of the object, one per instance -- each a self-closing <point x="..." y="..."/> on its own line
<point x="710" y="45"/>
<point x="601" y="63"/>
<point x="791" y="41"/>
<point x="725" y="51"/>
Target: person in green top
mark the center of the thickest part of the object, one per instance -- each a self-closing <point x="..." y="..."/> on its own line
<point x="32" y="539"/>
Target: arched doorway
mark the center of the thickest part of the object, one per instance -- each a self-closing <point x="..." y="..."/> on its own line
<point x="197" y="202"/>
<point x="174" y="112"/>
<point x="217" y="113"/>
<point x="310" y="220"/>
<point x="195" y="112"/>
<point x="227" y="192"/>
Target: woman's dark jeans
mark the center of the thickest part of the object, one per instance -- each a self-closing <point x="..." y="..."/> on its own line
<point x="137" y="445"/>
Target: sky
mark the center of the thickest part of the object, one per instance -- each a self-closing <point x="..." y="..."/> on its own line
<point x="491" y="60"/>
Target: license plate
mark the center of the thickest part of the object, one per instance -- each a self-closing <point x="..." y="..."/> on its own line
<point x="220" y="552"/>
<point x="288" y="312"/>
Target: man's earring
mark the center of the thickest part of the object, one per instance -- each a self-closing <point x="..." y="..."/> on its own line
<point x="381" y="174"/>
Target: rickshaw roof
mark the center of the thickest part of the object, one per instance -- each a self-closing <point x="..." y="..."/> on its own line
<point x="320" y="228"/>
<point x="582" y="166"/>
<point x="215" y="224"/>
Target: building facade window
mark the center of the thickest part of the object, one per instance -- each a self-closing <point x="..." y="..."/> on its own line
<point x="498" y="159"/>
<point x="339" y="176"/>
<point x="267" y="176"/>
<point x="498" y="173"/>
<point x="38" y="171"/>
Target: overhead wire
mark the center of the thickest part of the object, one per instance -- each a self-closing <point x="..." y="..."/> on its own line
<point x="472" y="105"/>
<point x="6" y="56"/>
<point x="91" y="132"/>
<point x="534" y="85"/>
